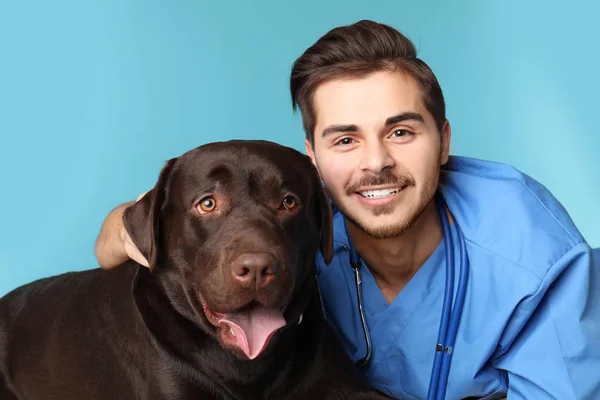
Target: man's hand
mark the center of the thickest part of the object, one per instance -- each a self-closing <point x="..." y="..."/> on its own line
<point x="114" y="246"/>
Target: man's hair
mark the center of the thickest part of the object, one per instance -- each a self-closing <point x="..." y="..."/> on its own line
<point x="354" y="51"/>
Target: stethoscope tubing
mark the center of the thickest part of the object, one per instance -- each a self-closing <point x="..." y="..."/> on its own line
<point x="447" y="335"/>
<point x="363" y="361"/>
<point x="447" y="304"/>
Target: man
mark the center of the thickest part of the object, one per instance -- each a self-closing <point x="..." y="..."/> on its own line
<point x="376" y="129"/>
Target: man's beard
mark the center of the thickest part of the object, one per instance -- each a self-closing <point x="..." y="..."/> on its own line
<point x="396" y="228"/>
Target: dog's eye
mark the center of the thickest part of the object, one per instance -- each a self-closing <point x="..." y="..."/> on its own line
<point x="207" y="204"/>
<point x="289" y="202"/>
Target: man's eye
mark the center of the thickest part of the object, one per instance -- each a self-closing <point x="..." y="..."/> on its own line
<point x="345" y="141"/>
<point x="401" y="133"/>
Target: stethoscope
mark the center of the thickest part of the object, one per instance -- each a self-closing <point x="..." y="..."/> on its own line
<point x="450" y="318"/>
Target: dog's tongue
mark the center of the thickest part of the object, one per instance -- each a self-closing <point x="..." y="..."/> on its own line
<point x="253" y="328"/>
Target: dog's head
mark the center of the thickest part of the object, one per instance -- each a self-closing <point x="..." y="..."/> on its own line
<point x="232" y="230"/>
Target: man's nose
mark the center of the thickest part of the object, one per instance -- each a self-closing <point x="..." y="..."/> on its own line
<point x="376" y="157"/>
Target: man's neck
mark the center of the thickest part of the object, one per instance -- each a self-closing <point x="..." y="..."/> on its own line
<point x="394" y="261"/>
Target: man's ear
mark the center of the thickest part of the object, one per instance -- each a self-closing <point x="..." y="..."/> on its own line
<point x="326" y="218"/>
<point x="446" y="134"/>
<point x="310" y="152"/>
<point x="142" y="219"/>
<point x="326" y="214"/>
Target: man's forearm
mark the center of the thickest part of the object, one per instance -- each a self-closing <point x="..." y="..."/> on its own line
<point x="110" y="248"/>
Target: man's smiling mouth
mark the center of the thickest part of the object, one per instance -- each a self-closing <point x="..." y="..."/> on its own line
<point x="380" y="193"/>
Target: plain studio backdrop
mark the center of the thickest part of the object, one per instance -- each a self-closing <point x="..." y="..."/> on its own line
<point x="96" y="95"/>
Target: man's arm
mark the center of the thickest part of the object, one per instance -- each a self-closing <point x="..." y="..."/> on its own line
<point x="114" y="245"/>
<point x="555" y="354"/>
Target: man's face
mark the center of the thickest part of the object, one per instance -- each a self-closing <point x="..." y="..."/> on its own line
<point x="378" y="150"/>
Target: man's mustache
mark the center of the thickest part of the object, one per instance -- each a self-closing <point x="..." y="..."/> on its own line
<point x="385" y="178"/>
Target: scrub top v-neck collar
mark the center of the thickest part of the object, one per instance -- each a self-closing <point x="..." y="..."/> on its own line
<point x="411" y="296"/>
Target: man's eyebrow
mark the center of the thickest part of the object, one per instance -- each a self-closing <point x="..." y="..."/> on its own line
<point x="404" y="117"/>
<point x="339" y="128"/>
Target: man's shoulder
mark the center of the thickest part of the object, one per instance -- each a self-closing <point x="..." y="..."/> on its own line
<point x="505" y="212"/>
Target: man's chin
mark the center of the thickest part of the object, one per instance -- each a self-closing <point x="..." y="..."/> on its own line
<point x="377" y="226"/>
<point x="383" y="231"/>
<point x="383" y="223"/>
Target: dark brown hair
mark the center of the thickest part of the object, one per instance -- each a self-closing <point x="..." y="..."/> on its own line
<point x="355" y="51"/>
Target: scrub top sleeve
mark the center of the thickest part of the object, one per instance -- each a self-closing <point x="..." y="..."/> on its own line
<point x="556" y="352"/>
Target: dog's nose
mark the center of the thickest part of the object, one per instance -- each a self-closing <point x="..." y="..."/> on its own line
<point x="254" y="270"/>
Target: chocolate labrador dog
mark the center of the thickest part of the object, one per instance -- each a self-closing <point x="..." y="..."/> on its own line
<point x="227" y="310"/>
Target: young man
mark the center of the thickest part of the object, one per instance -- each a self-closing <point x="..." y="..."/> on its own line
<point x="376" y="129"/>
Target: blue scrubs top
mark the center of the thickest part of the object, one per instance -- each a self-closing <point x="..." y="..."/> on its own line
<point x="530" y="327"/>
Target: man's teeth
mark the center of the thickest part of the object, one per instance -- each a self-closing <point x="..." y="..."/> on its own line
<point x="378" y="193"/>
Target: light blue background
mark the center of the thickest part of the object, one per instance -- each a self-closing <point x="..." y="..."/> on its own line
<point x="96" y="95"/>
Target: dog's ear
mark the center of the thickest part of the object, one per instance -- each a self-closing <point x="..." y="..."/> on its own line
<point x="326" y="218"/>
<point x="142" y="219"/>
